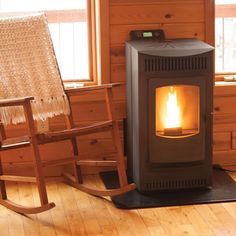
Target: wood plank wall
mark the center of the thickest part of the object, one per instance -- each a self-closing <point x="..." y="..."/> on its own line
<point x="179" y="19"/>
<point x="224" y="135"/>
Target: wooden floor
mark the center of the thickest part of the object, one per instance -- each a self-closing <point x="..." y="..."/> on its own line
<point x="77" y="213"/>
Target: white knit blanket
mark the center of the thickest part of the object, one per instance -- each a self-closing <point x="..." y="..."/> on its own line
<point x="28" y="67"/>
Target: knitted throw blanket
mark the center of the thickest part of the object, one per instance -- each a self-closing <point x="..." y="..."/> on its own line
<point x="28" y="67"/>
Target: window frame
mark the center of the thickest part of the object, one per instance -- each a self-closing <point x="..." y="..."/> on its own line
<point x="223" y="10"/>
<point x="70" y="16"/>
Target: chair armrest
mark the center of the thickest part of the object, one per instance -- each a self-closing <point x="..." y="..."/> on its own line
<point x="75" y="91"/>
<point x="14" y="101"/>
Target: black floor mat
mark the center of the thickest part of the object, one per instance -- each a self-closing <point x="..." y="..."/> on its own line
<point x="223" y="190"/>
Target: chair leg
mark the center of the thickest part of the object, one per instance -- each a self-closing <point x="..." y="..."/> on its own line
<point x="76" y="168"/>
<point x="3" y="193"/>
<point x="38" y="169"/>
<point x="119" y="155"/>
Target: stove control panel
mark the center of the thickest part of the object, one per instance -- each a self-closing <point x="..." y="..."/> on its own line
<point x="147" y="34"/>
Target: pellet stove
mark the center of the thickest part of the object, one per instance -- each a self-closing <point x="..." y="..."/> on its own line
<point x="169" y="115"/>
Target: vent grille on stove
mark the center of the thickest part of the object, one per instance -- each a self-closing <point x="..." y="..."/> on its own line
<point x="166" y="64"/>
<point x="175" y="184"/>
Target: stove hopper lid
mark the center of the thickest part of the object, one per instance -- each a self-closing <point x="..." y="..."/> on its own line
<point x="171" y="48"/>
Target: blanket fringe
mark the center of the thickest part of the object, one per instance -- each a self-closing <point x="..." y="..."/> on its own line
<point x="42" y="110"/>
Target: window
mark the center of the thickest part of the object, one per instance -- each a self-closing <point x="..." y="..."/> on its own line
<point x="225" y="29"/>
<point x="70" y="30"/>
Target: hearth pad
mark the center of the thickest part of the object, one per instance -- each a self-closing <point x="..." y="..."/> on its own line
<point x="223" y="190"/>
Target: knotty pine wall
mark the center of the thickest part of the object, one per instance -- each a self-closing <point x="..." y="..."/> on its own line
<point x="224" y="134"/>
<point x="179" y="19"/>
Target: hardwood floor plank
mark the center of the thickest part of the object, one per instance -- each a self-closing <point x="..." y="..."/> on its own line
<point x="46" y="225"/>
<point x="223" y="216"/>
<point x="187" y="230"/>
<point x="167" y="221"/>
<point x="4" y="229"/>
<point x="121" y="220"/>
<point x="79" y="214"/>
<point x="100" y="209"/>
<point x="179" y="216"/>
<point x="76" y="223"/>
<point x="182" y="221"/>
<point x="61" y="223"/>
<point x="4" y="223"/>
<point x="15" y="221"/>
<point x="150" y="220"/>
<point x="211" y="219"/>
<point x="198" y="223"/>
<point x="67" y="203"/>
<point x="133" y="217"/>
<point x="83" y="202"/>
<point x="31" y="226"/>
<point x="230" y="208"/>
<point x="136" y="223"/>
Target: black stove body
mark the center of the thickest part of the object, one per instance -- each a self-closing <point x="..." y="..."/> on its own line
<point x="166" y="153"/>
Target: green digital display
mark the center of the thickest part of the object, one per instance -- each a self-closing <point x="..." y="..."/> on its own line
<point x="147" y="34"/>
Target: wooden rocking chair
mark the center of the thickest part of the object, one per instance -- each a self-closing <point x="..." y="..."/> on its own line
<point x="21" y="104"/>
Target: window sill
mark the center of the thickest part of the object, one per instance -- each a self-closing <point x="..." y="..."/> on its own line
<point x="224" y="83"/>
<point x="76" y="85"/>
<point x="224" y="76"/>
<point x="73" y="85"/>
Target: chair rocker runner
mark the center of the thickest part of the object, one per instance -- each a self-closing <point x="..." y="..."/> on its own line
<point x="31" y="89"/>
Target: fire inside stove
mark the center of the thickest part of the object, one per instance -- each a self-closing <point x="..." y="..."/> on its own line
<point x="177" y="111"/>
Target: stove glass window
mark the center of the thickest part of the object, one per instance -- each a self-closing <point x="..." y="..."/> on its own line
<point x="177" y="111"/>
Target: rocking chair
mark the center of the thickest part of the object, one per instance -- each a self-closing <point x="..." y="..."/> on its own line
<point x="31" y="90"/>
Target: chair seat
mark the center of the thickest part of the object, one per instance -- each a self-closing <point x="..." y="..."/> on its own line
<point x="73" y="132"/>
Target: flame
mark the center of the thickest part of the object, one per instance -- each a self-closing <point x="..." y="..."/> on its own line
<point x="173" y="114"/>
